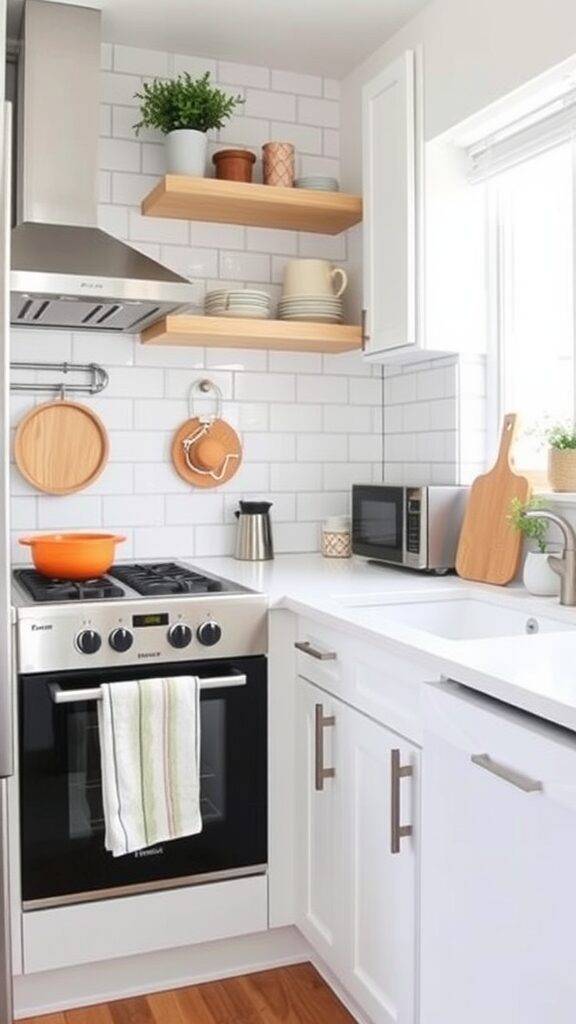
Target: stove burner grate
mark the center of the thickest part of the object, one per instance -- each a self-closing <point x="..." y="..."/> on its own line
<point x="42" y="588"/>
<point x="165" y="578"/>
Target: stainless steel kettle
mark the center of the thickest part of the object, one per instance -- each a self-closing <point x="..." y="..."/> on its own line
<point x="254" y="537"/>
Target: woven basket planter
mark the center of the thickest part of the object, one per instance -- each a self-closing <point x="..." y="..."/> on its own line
<point x="562" y="469"/>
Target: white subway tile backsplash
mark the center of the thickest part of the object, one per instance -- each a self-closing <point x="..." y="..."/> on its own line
<point x="322" y="389"/>
<point x="243" y="74"/>
<point x="190" y="261"/>
<point x="331" y="143"/>
<point x="105" y="56"/>
<point x="293" y="416"/>
<point x="170" y="542"/>
<point x="349" y="364"/>
<point x="236" y="359"/>
<point x="104" y="186"/>
<point x="134" y="61"/>
<point x="130" y="189"/>
<point x="215" y="540"/>
<point x="244" y="266"/>
<point x="270" y="105"/>
<point x="178" y="384"/>
<point x="331" y="89"/>
<point x="251" y="416"/>
<point x="113" y="219"/>
<point x="274" y="387"/>
<point x="152" y="229"/>
<point x="188" y="358"/>
<point x="217" y="236"/>
<point x="33" y="346"/>
<point x="270" y="241"/>
<point x="119" y="155"/>
<point x="318" y="505"/>
<point x="306" y="139"/>
<point x="323" y="247"/>
<point x="195" y="507"/>
<point x="195" y="66"/>
<point x="124" y="120"/>
<point x="139" y="446"/>
<point x="139" y="512"/>
<point x="294" y="537"/>
<point x="295" y="362"/>
<point x="111" y="350"/>
<point x="120" y="89"/>
<point x="349" y="419"/>
<point x="76" y="512"/>
<point x="296" y="476"/>
<point x="365" y="392"/>
<point x="117" y="478"/>
<point x="265" y="447"/>
<point x="321" y="112"/>
<point x="339" y="476"/>
<point x="290" y="81"/>
<point x="159" y="414"/>
<point x="365" y="448"/>
<point x="245" y="131"/>
<point x="321" y="448"/>
<point x="251" y="478"/>
<point x="24" y="511"/>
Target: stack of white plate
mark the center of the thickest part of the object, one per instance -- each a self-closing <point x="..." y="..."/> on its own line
<point x="318" y="308"/>
<point x="238" y="302"/>
<point x="318" y="182"/>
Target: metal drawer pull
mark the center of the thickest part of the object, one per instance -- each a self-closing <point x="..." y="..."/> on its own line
<point x="60" y="696"/>
<point x="315" y="652"/>
<point x="321" y="722"/>
<point x="523" y="782"/>
<point x="397" y="772"/>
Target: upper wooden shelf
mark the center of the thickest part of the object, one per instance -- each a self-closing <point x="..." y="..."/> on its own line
<point x="262" y="206"/>
<point x="282" y="335"/>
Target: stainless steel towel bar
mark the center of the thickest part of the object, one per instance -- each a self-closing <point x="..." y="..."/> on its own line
<point x="60" y="696"/>
<point x="99" y="378"/>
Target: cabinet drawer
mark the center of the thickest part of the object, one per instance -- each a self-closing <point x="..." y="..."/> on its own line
<point x="513" y="747"/>
<point x="384" y="686"/>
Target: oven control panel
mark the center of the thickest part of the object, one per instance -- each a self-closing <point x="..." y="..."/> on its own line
<point x="61" y="637"/>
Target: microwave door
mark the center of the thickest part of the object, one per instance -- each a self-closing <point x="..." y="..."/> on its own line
<point x="378" y="522"/>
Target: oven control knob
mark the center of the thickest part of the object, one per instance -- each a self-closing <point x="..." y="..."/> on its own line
<point x="179" y="635"/>
<point x="88" y="641"/>
<point x="120" y="640"/>
<point x="209" y="633"/>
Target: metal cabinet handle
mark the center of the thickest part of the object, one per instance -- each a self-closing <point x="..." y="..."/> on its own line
<point x="365" y="336"/>
<point x="60" y="696"/>
<point x="397" y="771"/>
<point x="518" y="779"/>
<point x="315" y="652"/>
<point x="321" y="722"/>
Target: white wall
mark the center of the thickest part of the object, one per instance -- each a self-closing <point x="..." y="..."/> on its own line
<point x="311" y="424"/>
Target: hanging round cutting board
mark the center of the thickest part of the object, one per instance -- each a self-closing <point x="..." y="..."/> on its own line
<point x="206" y="455"/>
<point x="61" y="447"/>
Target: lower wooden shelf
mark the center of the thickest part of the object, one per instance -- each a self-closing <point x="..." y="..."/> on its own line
<point x="212" y="331"/>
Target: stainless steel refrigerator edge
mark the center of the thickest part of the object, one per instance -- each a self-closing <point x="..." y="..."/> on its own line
<point x="6" y="697"/>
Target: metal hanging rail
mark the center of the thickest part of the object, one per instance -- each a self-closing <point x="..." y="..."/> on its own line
<point x="99" y="377"/>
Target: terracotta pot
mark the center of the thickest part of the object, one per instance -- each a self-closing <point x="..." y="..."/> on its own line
<point x="73" y="556"/>
<point x="234" y="164"/>
<point x="278" y="164"/>
<point x="562" y="469"/>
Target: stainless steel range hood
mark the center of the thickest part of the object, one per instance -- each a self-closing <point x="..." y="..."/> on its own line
<point x="66" y="273"/>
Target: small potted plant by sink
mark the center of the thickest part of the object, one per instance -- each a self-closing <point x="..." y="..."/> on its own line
<point x="562" y="458"/>
<point x="184" y="109"/>
<point x="537" y="575"/>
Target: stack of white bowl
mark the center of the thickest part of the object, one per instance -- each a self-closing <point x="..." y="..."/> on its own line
<point x="319" y="308"/>
<point x="238" y="302"/>
<point x="318" y="182"/>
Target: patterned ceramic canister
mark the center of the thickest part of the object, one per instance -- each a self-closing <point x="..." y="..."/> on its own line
<point x="278" y="164"/>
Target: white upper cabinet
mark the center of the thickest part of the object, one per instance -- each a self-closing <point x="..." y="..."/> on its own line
<point x="391" y="216"/>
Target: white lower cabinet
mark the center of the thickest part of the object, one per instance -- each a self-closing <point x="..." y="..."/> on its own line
<point x="498" y="899"/>
<point x="356" y="856"/>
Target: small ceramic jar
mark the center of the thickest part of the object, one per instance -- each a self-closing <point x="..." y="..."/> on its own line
<point x="278" y="164"/>
<point x="336" y="537"/>
<point x="234" y="164"/>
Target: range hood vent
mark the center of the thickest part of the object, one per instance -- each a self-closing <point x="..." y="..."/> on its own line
<point x="66" y="273"/>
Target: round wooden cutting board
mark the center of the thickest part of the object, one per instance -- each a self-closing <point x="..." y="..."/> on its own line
<point x="61" y="447"/>
<point x="218" y="452"/>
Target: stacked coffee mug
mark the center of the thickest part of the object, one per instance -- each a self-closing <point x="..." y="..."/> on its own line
<point x="312" y="290"/>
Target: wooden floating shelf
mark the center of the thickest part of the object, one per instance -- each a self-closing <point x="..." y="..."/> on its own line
<point x="236" y="332"/>
<point x="263" y="206"/>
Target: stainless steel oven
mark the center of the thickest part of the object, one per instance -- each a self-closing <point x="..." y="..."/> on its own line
<point x="66" y="651"/>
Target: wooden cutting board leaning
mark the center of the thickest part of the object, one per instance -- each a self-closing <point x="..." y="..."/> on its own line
<point x="489" y="549"/>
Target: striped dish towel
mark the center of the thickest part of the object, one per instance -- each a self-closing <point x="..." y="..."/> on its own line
<point x="150" y="759"/>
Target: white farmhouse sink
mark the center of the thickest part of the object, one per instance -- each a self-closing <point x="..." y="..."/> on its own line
<point x="463" y="618"/>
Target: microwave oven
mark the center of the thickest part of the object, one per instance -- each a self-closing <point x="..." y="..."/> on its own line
<point x="415" y="527"/>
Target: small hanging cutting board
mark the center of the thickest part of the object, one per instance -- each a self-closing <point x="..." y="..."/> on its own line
<point x="61" y="447"/>
<point x="488" y="548"/>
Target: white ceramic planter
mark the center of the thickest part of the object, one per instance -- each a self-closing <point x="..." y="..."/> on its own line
<point x="186" y="152"/>
<point x="538" y="577"/>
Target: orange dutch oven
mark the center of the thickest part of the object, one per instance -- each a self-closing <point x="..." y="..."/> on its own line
<point x="73" y="556"/>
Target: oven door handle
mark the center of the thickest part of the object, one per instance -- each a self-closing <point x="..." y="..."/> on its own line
<point x="60" y="696"/>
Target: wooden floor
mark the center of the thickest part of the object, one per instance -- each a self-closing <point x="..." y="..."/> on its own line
<point x="288" y="995"/>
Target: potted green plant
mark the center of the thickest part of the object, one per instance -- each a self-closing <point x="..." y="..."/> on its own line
<point x="537" y="575"/>
<point x="184" y="109"/>
<point x="562" y="457"/>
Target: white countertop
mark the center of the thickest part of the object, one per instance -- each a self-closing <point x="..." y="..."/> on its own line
<point x="536" y="673"/>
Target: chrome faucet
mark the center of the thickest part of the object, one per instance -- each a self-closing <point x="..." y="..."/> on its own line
<point x="564" y="566"/>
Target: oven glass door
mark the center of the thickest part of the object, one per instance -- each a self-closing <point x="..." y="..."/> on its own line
<point x="378" y="522"/>
<point x="62" y="822"/>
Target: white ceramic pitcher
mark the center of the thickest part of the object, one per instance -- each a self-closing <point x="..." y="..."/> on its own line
<point x="313" y="277"/>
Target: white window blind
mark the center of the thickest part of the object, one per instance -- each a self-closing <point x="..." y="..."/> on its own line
<point x="541" y="130"/>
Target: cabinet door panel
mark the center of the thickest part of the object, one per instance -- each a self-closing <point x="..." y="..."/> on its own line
<point x="380" y="902"/>
<point x="498" y="856"/>
<point x="317" y="850"/>
<point x="389" y="232"/>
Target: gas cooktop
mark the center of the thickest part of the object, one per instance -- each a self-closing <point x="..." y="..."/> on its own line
<point x="124" y="580"/>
